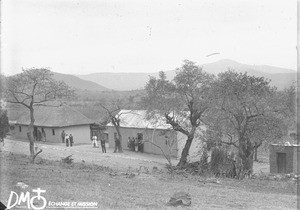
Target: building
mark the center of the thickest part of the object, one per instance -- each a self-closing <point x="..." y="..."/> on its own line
<point x="50" y="122"/>
<point x="134" y="123"/>
<point x="284" y="158"/>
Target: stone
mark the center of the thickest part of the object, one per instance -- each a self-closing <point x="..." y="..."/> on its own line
<point x="180" y="199"/>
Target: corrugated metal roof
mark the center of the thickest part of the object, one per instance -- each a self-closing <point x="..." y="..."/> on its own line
<point x="138" y="119"/>
<point x="49" y="116"/>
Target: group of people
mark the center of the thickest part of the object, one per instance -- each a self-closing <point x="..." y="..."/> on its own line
<point x="67" y="138"/>
<point x="95" y="143"/>
<point x="135" y="144"/>
<point x="39" y="135"/>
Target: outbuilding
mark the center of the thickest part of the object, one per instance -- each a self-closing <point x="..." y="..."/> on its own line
<point x="284" y="158"/>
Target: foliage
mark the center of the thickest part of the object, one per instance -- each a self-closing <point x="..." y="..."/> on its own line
<point x="203" y="164"/>
<point x="244" y="115"/>
<point x="4" y="124"/>
<point x="35" y="87"/>
<point x="222" y="163"/>
<point x="182" y="101"/>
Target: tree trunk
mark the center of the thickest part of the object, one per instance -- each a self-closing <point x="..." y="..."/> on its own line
<point x="30" y="137"/>
<point x="120" y="149"/>
<point x="119" y="145"/>
<point x="246" y="155"/>
<point x="185" y="152"/>
<point x="255" y="152"/>
<point x="247" y="163"/>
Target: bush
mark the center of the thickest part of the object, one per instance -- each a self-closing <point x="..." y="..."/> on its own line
<point x="203" y="164"/>
<point x="222" y="163"/>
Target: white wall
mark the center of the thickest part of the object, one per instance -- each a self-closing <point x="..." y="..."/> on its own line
<point x="147" y="135"/>
<point x="81" y="133"/>
<point x="196" y="148"/>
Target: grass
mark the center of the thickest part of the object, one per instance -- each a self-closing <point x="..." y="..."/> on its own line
<point x="112" y="188"/>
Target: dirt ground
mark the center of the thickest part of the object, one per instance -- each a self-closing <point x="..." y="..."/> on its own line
<point x="105" y="179"/>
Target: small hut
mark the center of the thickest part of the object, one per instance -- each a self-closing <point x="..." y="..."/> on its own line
<point x="284" y="158"/>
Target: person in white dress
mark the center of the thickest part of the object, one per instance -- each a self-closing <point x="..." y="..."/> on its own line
<point x="94" y="141"/>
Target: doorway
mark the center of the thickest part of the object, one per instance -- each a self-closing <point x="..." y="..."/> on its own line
<point x="281" y="162"/>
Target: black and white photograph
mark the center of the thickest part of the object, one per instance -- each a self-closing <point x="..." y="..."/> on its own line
<point x="149" y="104"/>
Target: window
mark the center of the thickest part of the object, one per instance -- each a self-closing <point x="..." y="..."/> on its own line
<point x="43" y="130"/>
<point x="20" y="128"/>
<point x="53" y="132"/>
<point x="115" y="136"/>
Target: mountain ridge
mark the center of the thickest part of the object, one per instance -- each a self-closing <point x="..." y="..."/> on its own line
<point x="78" y="83"/>
<point x="280" y="77"/>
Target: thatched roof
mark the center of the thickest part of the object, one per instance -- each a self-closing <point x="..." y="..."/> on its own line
<point x="45" y="116"/>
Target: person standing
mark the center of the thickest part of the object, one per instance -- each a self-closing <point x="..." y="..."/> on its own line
<point x="43" y="134"/>
<point x="71" y="140"/>
<point x="39" y="135"/>
<point x="63" y="135"/>
<point x="129" y="143"/>
<point x="136" y="144"/>
<point x="94" y="141"/>
<point x="67" y="139"/>
<point x="116" y="144"/>
<point x="103" y="145"/>
<point x="141" y="146"/>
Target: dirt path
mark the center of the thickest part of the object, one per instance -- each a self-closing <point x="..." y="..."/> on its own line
<point x="88" y="154"/>
<point x="92" y="155"/>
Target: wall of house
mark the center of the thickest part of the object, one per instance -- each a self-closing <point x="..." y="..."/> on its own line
<point x="14" y="130"/>
<point x="296" y="158"/>
<point x="81" y="133"/>
<point x="158" y="136"/>
<point x="196" y="148"/>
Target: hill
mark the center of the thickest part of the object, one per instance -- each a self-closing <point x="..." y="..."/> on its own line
<point x="79" y="84"/>
<point x="280" y="77"/>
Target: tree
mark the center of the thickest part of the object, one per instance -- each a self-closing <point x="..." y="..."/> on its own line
<point x="113" y="112"/>
<point x="182" y="101"/>
<point x="34" y="87"/>
<point x="244" y="115"/>
<point x="4" y="125"/>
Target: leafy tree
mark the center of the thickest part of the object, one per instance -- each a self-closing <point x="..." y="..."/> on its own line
<point x="4" y="125"/>
<point x="244" y="114"/>
<point x="182" y="101"/>
<point x="113" y="109"/>
<point x="34" y="87"/>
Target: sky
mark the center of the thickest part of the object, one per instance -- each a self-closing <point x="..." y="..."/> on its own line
<point x="89" y="36"/>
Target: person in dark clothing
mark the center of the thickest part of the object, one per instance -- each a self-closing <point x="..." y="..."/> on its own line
<point x="63" y="135"/>
<point x="129" y="143"/>
<point x="38" y="135"/>
<point x="71" y="140"/>
<point x="103" y="145"/>
<point x="141" y="146"/>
